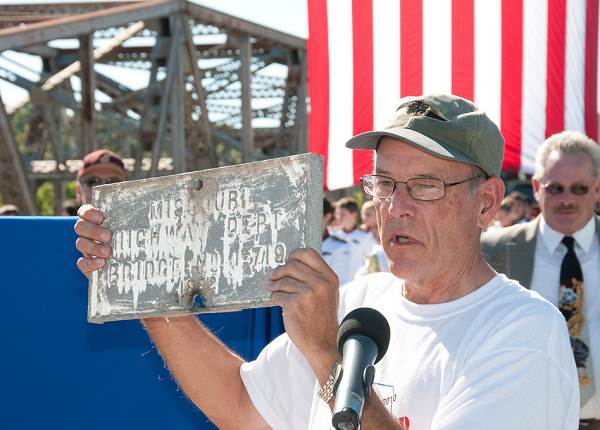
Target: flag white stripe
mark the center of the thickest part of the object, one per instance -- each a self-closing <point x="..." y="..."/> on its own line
<point x="488" y="52"/>
<point x="437" y="69"/>
<point x="339" y="18"/>
<point x="574" y="66"/>
<point x="386" y="59"/>
<point x="535" y="45"/>
<point x="437" y="46"/>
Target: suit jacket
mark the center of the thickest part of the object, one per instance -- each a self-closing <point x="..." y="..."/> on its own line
<point x="511" y="250"/>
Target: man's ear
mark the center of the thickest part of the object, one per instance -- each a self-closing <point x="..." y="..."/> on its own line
<point x="596" y="190"/>
<point x="536" y="185"/>
<point x="490" y="194"/>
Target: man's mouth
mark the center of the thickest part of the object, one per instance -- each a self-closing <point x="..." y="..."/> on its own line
<point x="566" y="211"/>
<point x="401" y="240"/>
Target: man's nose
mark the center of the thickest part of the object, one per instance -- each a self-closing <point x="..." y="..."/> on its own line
<point x="567" y="196"/>
<point x="401" y="203"/>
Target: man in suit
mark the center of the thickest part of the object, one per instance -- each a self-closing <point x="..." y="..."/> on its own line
<point x="558" y="253"/>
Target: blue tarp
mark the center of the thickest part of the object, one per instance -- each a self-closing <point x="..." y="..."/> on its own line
<point x="59" y="372"/>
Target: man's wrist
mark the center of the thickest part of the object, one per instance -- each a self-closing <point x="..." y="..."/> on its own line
<point x="329" y="388"/>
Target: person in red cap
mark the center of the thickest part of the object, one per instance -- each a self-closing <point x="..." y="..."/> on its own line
<point x="99" y="167"/>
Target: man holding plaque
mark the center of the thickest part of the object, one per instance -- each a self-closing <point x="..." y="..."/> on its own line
<point x="469" y="348"/>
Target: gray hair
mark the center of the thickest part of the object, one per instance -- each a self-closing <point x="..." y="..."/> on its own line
<point x="568" y="142"/>
<point x="474" y="184"/>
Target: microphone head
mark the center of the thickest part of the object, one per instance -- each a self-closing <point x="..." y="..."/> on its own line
<point x="369" y="323"/>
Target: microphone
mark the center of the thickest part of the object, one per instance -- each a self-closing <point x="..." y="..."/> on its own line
<point x="363" y="339"/>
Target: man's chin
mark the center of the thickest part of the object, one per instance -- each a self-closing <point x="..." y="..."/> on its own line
<point x="567" y="222"/>
<point x="403" y="269"/>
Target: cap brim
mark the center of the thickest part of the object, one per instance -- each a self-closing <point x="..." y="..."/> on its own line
<point x="91" y="169"/>
<point x="370" y="139"/>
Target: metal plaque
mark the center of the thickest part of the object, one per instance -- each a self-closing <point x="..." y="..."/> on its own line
<point x="204" y="241"/>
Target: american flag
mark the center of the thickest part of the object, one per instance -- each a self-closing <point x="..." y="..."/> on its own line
<point x="530" y="64"/>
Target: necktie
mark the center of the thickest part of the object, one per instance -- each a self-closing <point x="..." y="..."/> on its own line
<point x="570" y="304"/>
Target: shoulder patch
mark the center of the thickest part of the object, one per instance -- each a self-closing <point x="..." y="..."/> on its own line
<point x="338" y="239"/>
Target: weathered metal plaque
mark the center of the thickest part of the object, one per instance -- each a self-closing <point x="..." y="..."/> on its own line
<point x="204" y="241"/>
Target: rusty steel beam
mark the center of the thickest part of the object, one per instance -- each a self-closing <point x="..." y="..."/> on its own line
<point x="85" y="23"/>
<point x="164" y="103"/>
<point x="88" y="88"/>
<point x="177" y="96"/>
<point x="212" y="154"/>
<point x="244" y="74"/>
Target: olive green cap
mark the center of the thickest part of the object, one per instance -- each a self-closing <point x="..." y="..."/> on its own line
<point x="446" y="126"/>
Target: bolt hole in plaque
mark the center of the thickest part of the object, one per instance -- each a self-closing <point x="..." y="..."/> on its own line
<point x="197" y="184"/>
<point x="204" y="241"/>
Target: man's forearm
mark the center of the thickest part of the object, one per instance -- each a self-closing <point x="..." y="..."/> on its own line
<point x="206" y="370"/>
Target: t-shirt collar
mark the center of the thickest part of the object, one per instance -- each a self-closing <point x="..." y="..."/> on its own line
<point x="584" y="237"/>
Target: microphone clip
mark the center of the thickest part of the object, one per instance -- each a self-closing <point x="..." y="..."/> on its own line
<point x="368" y="378"/>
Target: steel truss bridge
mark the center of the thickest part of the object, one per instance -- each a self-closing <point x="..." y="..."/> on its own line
<point x="215" y="90"/>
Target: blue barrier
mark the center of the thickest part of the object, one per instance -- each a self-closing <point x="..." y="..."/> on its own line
<point x="59" y="372"/>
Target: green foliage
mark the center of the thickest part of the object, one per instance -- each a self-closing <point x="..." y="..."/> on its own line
<point x="44" y="199"/>
<point x="70" y="190"/>
<point x="20" y="125"/>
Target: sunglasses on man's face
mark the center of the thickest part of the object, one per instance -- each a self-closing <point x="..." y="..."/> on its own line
<point x="556" y="189"/>
<point x="92" y="181"/>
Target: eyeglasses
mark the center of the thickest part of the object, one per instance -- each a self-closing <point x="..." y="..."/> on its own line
<point x="556" y="189"/>
<point x="92" y="181"/>
<point x="426" y="189"/>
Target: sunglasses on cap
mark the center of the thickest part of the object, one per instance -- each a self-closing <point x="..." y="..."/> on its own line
<point x="92" y="181"/>
<point x="576" y="189"/>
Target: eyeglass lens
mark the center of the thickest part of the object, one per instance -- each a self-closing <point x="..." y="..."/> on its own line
<point x="418" y="188"/>
<point x="577" y="189"/>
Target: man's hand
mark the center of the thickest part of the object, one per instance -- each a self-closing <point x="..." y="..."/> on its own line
<point x="93" y="241"/>
<point x="307" y="290"/>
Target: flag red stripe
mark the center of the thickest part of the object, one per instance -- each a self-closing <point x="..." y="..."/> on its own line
<point x="463" y="48"/>
<point x="362" y="99"/>
<point x="411" y="47"/>
<point x="591" y="69"/>
<point x="318" y="81"/>
<point x="555" y="79"/>
<point x="511" y="82"/>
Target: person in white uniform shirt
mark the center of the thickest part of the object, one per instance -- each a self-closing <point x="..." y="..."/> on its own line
<point x="566" y="185"/>
<point x="369" y="219"/>
<point x="335" y="251"/>
<point x="375" y="261"/>
<point x="469" y="349"/>
<point x="361" y="242"/>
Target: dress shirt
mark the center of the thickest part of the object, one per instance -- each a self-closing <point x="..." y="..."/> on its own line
<point x="549" y="253"/>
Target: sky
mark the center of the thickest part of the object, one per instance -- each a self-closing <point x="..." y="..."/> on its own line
<point x="289" y="16"/>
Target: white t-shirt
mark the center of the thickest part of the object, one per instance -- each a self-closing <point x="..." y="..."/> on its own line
<point x="361" y="244"/>
<point x="498" y="358"/>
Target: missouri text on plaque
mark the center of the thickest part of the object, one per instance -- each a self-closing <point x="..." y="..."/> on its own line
<point x="204" y="241"/>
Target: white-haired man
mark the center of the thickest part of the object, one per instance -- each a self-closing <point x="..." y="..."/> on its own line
<point x="558" y="253"/>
